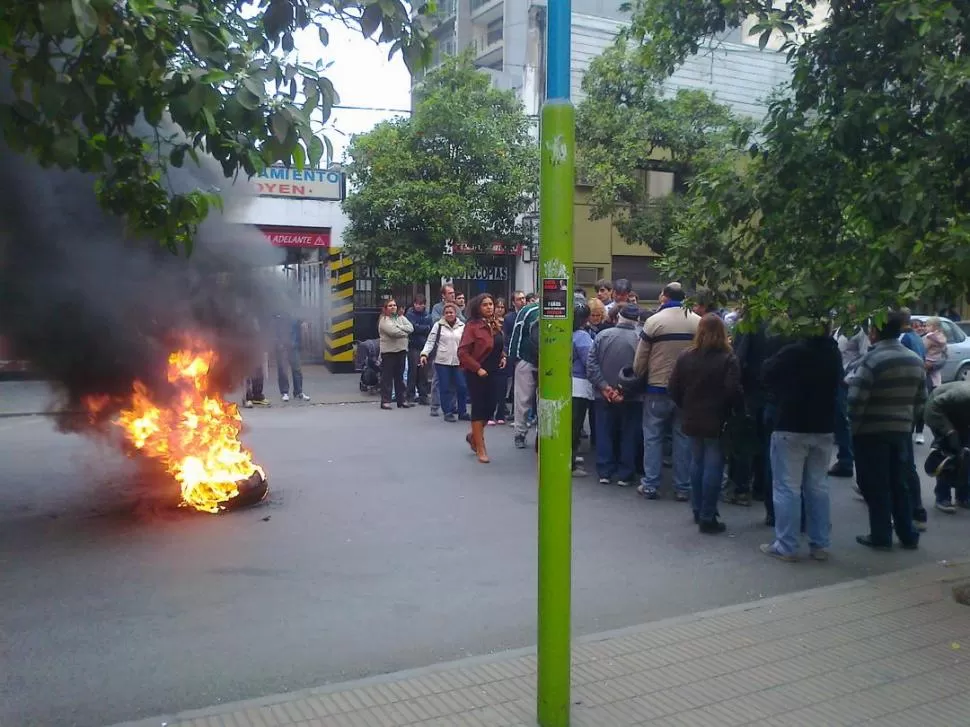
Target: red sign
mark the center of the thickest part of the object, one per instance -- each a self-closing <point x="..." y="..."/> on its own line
<point x="296" y="237"/>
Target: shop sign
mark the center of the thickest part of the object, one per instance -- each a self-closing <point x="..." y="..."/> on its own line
<point x="301" y="184"/>
<point x="292" y="237"/>
<point x="498" y="248"/>
<point x="489" y="272"/>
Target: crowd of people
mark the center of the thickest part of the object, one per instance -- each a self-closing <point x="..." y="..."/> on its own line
<point x="737" y="416"/>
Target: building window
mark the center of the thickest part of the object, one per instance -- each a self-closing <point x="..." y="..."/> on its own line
<point x="494" y="31"/>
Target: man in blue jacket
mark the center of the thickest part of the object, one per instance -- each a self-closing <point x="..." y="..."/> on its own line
<point x="419" y="377"/>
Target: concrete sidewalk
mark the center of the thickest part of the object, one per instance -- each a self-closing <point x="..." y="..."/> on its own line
<point x="888" y="650"/>
<point x="33" y="398"/>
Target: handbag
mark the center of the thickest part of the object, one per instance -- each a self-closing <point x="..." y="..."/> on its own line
<point x="433" y="353"/>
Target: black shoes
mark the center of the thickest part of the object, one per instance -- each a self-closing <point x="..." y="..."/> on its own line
<point x="867" y="541"/>
<point x="711" y="527"/>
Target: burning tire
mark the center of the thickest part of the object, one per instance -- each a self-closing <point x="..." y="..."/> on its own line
<point x="252" y="491"/>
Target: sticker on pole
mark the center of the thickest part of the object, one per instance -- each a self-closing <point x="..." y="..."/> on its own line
<point x="555" y="298"/>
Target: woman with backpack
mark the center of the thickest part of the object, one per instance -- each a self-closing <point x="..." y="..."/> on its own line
<point x="441" y="349"/>
<point x="482" y="356"/>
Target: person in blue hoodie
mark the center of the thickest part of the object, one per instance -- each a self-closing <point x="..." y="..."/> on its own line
<point x="419" y="377"/>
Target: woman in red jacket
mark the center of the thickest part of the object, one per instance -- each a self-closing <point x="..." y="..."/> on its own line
<point x="481" y="355"/>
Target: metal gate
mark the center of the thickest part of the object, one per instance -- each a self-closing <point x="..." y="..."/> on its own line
<point x="307" y="282"/>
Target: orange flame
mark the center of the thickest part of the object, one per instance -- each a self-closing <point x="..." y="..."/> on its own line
<point x="196" y="438"/>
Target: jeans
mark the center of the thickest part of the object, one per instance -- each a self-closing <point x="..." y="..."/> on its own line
<point x="392" y="377"/>
<point x="957" y="481"/>
<point x="419" y="377"/>
<point x="747" y="470"/>
<point x="289" y="355"/>
<point x="617" y="422"/>
<point x="799" y="464"/>
<point x="452" y="389"/>
<point x="525" y="379"/>
<point x="882" y="471"/>
<point x="843" y="432"/>
<point x="658" y="411"/>
<point x="580" y="409"/>
<point x="706" y="470"/>
<point x="913" y="484"/>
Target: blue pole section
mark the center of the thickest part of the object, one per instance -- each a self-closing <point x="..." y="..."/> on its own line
<point x="559" y="41"/>
<point x="556" y="192"/>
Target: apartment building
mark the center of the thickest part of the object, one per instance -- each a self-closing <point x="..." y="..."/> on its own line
<point x="508" y="41"/>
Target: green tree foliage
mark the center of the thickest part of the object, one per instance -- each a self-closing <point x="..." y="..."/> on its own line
<point x="626" y="125"/>
<point x="463" y="168"/>
<point x="96" y="84"/>
<point x="857" y="194"/>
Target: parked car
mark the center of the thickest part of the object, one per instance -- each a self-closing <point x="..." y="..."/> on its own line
<point x="964" y="326"/>
<point x="957" y="366"/>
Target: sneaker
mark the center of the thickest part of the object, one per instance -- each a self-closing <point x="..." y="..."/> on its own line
<point x="840" y="469"/>
<point x="681" y="496"/>
<point x="771" y="551"/>
<point x="819" y="554"/>
<point x="625" y="483"/>
<point x="711" y="527"/>
<point x="248" y="404"/>
<point x="302" y="397"/>
<point x="946" y="506"/>
<point x="579" y="472"/>
<point x="520" y="441"/>
<point x="435" y="412"/>
<point x="500" y="422"/>
<point x="605" y="481"/>
<point x="285" y="397"/>
<point x="648" y="492"/>
<point x="491" y="422"/>
<point x="261" y="402"/>
<point x="451" y="418"/>
<point x="919" y="439"/>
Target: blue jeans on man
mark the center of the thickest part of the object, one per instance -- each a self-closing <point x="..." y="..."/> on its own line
<point x="799" y="464"/>
<point x="843" y="431"/>
<point x="617" y="422"/>
<point x="452" y="389"/>
<point x="659" y="410"/>
<point x="706" y="471"/>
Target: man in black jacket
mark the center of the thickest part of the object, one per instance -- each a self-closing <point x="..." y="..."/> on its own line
<point x="802" y="380"/>
<point x="419" y="377"/>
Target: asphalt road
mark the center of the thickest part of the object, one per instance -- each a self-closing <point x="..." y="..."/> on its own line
<point x="383" y="546"/>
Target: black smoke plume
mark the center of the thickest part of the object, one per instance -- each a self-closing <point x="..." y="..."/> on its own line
<point x="93" y="309"/>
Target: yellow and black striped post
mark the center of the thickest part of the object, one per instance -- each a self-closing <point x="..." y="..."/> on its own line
<point x="338" y="351"/>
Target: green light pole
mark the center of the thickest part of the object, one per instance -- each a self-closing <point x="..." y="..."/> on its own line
<point x="556" y="188"/>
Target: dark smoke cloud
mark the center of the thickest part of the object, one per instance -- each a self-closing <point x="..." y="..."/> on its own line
<point x="94" y="309"/>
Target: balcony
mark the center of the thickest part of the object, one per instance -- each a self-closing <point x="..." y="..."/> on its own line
<point x="489" y="46"/>
<point x="485" y="11"/>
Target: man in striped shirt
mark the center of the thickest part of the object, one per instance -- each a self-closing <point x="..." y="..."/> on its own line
<point x="884" y="393"/>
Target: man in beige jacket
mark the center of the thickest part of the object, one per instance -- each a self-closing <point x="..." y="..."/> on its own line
<point x="665" y="335"/>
